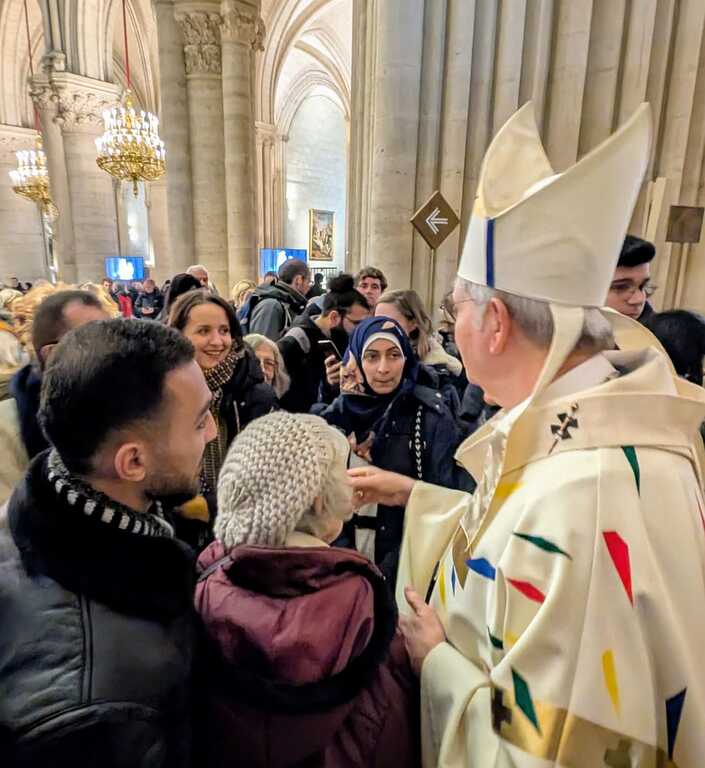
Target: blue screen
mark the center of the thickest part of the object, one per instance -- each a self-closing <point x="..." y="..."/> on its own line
<point x="124" y="268"/>
<point x="270" y="259"/>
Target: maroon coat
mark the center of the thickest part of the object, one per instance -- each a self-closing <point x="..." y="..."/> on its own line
<point x="308" y="668"/>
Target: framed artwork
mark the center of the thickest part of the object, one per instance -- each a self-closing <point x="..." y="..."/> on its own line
<point x="321" y="235"/>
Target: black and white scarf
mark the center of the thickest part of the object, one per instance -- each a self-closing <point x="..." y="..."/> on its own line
<point x="96" y="505"/>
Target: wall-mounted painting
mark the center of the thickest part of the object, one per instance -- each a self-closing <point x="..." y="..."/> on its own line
<point x="321" y="235"/>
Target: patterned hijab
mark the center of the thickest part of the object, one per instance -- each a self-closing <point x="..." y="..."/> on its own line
<point x="362" y="405"/>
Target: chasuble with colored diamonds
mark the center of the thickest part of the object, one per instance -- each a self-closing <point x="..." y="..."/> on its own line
<point x="572" y="585"/>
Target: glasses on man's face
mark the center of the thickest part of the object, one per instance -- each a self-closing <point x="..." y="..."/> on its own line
<point x="451" y="308"/>
<point x="625" y="289"/>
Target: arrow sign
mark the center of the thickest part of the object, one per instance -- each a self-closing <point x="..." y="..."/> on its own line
<point x="435" y="220"/>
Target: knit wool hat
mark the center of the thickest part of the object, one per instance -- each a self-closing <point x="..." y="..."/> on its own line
<point x="274" y="470"/>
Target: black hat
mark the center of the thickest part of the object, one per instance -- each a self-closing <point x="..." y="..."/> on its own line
<point x="635" y="251"/>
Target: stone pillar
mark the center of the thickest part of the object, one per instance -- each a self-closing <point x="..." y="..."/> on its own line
<point x="395" y="106"/>
<point x="64" y="247"/>
<point x="72" y="109"/>
<point x="242" y="33"/>
<point x="202" y="54"/>
<point x="21" y="244"/>
<point x="158" y="197"/>
<point x="178" y="246"/>
<point x="270" y="169"/>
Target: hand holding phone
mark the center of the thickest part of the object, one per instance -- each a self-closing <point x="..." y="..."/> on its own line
<point x="329" y="349"/>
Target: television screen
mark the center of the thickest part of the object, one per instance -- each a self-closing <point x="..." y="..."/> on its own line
<point x="124" y="268"/>
<point x="270" y="259"/>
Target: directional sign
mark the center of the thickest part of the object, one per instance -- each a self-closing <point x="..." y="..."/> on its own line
<point x="435" y="220"/>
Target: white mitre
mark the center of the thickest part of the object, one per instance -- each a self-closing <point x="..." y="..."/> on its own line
<point x="548" y="236"/>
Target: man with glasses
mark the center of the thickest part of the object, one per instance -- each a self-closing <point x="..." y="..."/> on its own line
<point x="631" y="285"/>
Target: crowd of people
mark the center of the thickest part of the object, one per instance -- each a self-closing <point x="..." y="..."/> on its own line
<point x="301" y="525"/>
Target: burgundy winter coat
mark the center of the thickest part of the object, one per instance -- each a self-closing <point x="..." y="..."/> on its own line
<point x="308" y="668"/>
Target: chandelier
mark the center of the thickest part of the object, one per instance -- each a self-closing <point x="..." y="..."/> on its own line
<point x="130" y="149"/>
<point x="31" y="179"/>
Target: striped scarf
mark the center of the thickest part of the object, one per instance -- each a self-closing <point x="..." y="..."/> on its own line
<point x="97" y="506"/>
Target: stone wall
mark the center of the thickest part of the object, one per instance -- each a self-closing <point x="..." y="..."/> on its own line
<point x="316" y="173"/>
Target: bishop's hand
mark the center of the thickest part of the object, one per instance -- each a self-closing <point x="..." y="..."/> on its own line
<point x="377" y="486"/>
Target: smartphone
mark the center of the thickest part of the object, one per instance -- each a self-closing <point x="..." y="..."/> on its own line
<point x="329" y="349"/>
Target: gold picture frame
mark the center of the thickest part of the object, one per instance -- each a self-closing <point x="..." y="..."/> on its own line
<point x="321" y="235"/>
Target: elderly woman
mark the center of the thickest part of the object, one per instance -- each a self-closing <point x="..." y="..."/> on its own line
<point x="396" y="418"/>
<point x="272" y="362"/>
<point x="307" y="666"/>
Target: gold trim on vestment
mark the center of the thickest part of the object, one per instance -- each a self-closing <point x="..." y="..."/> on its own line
<point x="568" y="740"/>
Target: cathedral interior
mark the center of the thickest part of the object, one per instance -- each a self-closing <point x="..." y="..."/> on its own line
<point x="285" y="119"/>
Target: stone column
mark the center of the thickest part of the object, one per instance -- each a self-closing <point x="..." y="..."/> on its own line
<point x="242" y="33"/>
<point x="72" y="117"/>
<point x="21" y="244"/>
<point x="202" y="54"/>
<point x="64" y="247"/>
<point x="395" y="106"/>
<point x="80" y="102"/>
<point x="158" y="196"/>
<point x="174" y="129"/>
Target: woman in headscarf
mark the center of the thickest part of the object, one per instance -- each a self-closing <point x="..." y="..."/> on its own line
<point x="232" y="371"/>
<point x="395" y="417"/>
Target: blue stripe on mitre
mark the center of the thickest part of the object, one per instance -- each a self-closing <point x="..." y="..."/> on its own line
<point x="489" y="253"/>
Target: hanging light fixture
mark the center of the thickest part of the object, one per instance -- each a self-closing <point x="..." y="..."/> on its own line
<point x="130" y="149"/>
<point x="31" y="179"/>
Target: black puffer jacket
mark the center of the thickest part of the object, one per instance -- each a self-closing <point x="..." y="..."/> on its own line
<point x="97" y="641"/>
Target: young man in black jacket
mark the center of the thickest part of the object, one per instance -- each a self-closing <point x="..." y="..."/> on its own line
<point x="308" y="347"/>
<point x="98" y="637"/>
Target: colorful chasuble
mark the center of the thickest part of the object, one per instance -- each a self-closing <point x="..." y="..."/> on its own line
<point x="573" y="597"/>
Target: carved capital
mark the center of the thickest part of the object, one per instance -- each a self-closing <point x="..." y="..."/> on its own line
<point x="201" y="31"/>
<point x="242" y="24"/>
<point x="76" y="102"/>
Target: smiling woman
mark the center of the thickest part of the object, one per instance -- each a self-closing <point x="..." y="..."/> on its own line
<point x="232" y="372"/>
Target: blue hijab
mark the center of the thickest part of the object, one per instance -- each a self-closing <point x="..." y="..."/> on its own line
<point x="364" y="407"/>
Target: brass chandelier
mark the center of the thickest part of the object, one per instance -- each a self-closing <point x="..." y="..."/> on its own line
<point x="31" y="179"/>
<point x="130" y="149"/>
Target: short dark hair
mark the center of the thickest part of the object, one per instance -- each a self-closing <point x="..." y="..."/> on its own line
<point x="292" y="268"/>
<point x="103" y="377"/>
<point x="342" y="295"/>
<point x="49" y="323"/>
<point x="374" y="274"/>
<point x="318" y="277"/>
<point x="682" y="334"/>
<point x="181" y="309"/>
<point x="635" y="251"/>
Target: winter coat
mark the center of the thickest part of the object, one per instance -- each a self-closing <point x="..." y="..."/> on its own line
<point x="125" y="303"/>
<point x="307" y="668"/>
<point x="153" y="300"/>
<point x="246" y="396"/>
<point x="417" y="436"/>
<point x="305" y="363"/>
<point x="97" y="641"/>
<point x="271" y="310"/>
<point x="21" y="437"/>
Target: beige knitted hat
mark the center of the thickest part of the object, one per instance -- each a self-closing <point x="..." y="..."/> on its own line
<point x="273" y="472"/>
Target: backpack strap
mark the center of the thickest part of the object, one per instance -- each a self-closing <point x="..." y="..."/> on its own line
<point x="300" y="336"/>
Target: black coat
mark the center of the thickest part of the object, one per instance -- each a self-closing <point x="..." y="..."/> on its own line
<point x="304" y="359"/>
<point x="97" y="641"/>
<point x="396" y="449"/>
<point x="153" y="300"/>
<point x="246" y="396"/>
<point x="271" y="310"/>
